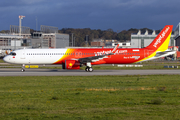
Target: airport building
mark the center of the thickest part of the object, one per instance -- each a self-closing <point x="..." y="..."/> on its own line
<point x="177" y="35"/>
<point x="49" y="40"/>
<point x="97" y="43"/>
<point x="142" y="40"/>
<point x="8" y="43"/>
<point x="48" y="37"/>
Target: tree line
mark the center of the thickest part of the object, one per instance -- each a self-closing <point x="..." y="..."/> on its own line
<point x="80" y="34"/>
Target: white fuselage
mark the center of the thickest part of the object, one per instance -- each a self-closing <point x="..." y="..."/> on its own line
<point x="35" y="56"/>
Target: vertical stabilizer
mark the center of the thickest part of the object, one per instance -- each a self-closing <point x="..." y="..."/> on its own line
<point x="161" y="42"/>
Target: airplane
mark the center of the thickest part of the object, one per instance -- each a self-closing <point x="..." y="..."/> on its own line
<point x="74" y="58"/>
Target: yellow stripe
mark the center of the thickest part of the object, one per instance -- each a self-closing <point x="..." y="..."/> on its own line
<point x="69" y="50"/>
<point x="165" y="45"/>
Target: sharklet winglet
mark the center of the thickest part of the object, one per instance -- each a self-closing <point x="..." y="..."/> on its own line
<point x="114" y="50"/>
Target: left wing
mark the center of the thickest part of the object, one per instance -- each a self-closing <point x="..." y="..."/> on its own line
<point x="97" y="58"/>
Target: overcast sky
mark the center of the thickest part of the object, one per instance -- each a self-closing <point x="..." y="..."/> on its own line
<point x="95" y="14"/>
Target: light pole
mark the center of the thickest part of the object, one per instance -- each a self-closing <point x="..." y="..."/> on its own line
<point x="86" y="40"/>
<point x="20" y="18"/>
<point x="72" y="39"/>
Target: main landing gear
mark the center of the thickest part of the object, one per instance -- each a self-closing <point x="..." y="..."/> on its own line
<point x="88" y="68"/>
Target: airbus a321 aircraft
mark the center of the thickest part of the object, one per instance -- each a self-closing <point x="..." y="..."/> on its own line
<point x="74" y="58"/>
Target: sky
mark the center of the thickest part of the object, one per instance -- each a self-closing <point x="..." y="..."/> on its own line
<point x="117" y="15"/>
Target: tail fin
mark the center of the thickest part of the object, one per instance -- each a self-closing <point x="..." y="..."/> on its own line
<point x="161" y="42"/>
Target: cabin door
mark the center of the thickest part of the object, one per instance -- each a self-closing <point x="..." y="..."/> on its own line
<point x="23" y="55"/>
<point x="146" y="53"/>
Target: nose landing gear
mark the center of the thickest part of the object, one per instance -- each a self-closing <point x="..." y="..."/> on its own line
<point x="23" y="68"/>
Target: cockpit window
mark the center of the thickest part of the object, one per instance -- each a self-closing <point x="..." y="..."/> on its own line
<point x="13" y="54"/>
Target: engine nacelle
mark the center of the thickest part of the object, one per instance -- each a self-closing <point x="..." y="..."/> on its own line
<point x="71" y="64"/>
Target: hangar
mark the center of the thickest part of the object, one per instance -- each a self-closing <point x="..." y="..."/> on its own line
<point x="140" y="40"/>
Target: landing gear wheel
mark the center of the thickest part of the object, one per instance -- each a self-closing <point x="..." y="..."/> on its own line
<point x="23" y="68"/>
<point x="88" y="69"/>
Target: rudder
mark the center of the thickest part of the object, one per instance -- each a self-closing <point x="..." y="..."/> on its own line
<point x="161" y="42"/>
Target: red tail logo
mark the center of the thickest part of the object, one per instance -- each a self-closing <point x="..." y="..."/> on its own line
<point x="161" y="37"/>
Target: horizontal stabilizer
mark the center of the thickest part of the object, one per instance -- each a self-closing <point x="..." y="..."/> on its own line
<point x="164" y="54"/>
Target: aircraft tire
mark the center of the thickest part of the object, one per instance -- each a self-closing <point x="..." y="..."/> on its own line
<point x="87" y="69"/>
<point x="90" y="69"/>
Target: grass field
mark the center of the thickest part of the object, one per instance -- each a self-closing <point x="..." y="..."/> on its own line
<point x="154" y="97"/>
<point x="1" y="61"/>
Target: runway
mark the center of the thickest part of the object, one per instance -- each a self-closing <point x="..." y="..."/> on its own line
<point x="60" y="72"/>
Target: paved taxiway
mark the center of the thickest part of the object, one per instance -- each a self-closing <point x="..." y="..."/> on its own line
<point x="60" y="72"/>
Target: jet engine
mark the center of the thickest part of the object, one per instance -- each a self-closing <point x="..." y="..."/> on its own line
<point x="71" y="64"/>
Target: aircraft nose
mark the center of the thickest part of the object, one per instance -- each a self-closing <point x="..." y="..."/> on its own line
<point x="5" y="59"/>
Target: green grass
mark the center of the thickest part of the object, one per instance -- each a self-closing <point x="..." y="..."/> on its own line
<point x="93" y="97"/>
<point x="1" y="61"/>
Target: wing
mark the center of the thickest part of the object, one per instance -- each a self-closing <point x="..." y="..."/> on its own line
<point x="97" y="58"/>
<point x="92" y="59"/>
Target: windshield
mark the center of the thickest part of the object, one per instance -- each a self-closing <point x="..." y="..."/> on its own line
<point x="13" y="54"/>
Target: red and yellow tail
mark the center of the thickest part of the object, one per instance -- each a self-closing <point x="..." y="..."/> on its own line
<point x="161" y="42"/>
